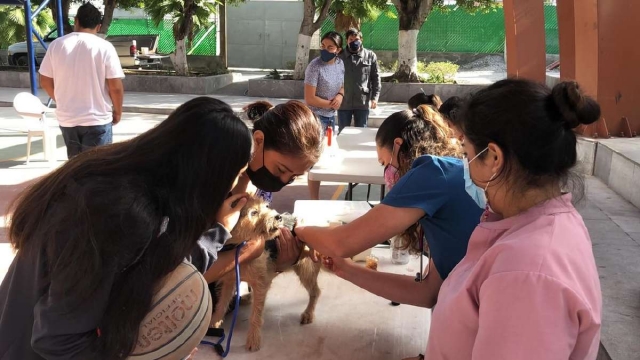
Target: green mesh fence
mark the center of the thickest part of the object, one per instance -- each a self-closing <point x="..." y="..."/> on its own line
<point x="455" y="30"/>
<point x="204" y="42"/>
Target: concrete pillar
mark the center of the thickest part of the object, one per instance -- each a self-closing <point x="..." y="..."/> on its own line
<point x="596" y="51"/>
<point x="619" y="65"/>
<point x="524" y="29"/>
<point x="567" y="38"/>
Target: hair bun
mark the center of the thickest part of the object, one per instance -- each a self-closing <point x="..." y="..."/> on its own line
<point x="575" y="108"/>
<point x="257" y="109"/>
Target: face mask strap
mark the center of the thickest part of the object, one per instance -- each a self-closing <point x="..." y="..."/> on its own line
<point x="478" y="154"/>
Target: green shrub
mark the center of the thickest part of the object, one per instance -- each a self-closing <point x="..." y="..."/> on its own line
<point x="387" y="67"/>
<point x="439" y="72"/>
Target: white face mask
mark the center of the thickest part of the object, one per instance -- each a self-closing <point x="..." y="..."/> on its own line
<point x="478" y="194"/>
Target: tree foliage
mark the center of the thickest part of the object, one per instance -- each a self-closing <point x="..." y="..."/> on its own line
<point x="188" y="16"/>
<point x="12" y="24"/>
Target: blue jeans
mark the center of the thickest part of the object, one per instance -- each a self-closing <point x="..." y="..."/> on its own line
<point x="327" y="121"/>
<point x="360" y="118"/>
<point x="80" y="138"/>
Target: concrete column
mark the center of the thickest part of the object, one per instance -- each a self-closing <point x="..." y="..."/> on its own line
<point x="567" y="38"/>
<point x="524" y="29"/>
<point x="619" y="65"/>
<point x="596" y="51"/>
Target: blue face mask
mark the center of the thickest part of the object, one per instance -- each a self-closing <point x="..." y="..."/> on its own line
<point x="326" y="56"/>
<point x="355" y="45"/>
<point x="477" y="194"/>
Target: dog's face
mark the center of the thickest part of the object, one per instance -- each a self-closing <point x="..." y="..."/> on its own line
<point x="256" y="220"/>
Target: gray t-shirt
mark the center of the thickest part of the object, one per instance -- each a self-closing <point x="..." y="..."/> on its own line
<point x="327" y="79"/>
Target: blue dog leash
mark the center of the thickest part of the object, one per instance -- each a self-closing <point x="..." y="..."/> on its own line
<point x="218" y="345"/>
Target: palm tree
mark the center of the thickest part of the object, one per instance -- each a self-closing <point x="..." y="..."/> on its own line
<point x="12" y="25"/>
<point x="188" y="17"/>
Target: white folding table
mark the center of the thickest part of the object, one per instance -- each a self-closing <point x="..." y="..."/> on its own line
<point x="354" y="162"/>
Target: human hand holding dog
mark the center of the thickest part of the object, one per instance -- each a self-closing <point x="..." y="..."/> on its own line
<point x="229" y="214"/>
<point x="289" y="249"/>
<point x="253" y="248"/>
<point x="338" y="266"/>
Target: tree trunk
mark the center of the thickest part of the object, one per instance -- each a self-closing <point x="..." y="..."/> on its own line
<point x="307" y="28"/>
<point x="179" y="58"/>
<point x="411" y="17"/>
<point x="66" y="4"/>
<point x="109" y="7"/>
<point x="302" y="55"/>
<point x="407" y="56"/>
<point x="183" y="32"/>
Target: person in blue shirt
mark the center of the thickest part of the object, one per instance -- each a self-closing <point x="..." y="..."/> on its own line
<point x="431" y="193"/>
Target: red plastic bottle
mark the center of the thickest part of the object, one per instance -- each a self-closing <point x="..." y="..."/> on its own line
<point x="329" y="136"/>
<point x="132" y="49"/>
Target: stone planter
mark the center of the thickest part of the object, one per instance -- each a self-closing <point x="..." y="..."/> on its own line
<point x="391" y="92"/>
<point x="15" y="79"/>
<point x="287" y="89"/>
<point x="401" y="92"/>
<point x="168" y="84"/>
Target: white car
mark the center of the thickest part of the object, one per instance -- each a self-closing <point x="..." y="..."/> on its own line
<point x="17" y="53"/>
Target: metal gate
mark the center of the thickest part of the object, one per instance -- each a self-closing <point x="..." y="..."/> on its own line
<point x="263" y="34"/>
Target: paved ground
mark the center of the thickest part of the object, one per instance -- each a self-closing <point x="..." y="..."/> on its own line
<point x="165" y="103"/>
<point x="614" y="225"/>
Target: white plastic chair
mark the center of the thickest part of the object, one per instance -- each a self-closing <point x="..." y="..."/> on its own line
<point x="34" y="111"/>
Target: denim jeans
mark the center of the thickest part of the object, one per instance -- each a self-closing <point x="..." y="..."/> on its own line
<point x="360" y="118"/>
<point x="327" y="121"/>
<point x="80" y="138"/>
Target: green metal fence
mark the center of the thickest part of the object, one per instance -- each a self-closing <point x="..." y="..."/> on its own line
<point x="455" y="30"/>
<point x="204" y="42"/>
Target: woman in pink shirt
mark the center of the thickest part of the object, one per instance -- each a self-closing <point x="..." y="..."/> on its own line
<point x="528" y="286"/>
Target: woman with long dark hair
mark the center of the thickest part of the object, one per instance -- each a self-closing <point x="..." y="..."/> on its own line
<point x="95" y="237"/>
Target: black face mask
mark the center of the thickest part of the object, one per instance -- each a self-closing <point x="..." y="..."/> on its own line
<point x="264" y="180"/>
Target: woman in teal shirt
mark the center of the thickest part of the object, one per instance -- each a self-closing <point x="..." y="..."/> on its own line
<point x="432" y="193"/>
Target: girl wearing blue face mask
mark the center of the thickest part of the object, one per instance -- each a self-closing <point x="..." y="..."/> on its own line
<point x="324" y="88"/>
<point x="425" y="173"/>
<point x="324" y="79"/>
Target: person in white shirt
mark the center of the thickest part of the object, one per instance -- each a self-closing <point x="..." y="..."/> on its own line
<point x="82" y="73"/>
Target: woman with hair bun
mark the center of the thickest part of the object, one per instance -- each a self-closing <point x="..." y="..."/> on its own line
<point x="528" y="287"/>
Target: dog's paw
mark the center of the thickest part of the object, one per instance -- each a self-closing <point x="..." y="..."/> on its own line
<point x="253" y="341"/>
<point x="306" y="318"/>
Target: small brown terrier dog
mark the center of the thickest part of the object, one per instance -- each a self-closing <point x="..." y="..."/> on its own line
<point x="258" y="220"/>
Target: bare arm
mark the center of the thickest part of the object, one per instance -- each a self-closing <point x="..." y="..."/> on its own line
<point x="337" y="100"/>
<point x="311" y="99"/>
<point x="47" y="84"/>
<point x="116" y="93"/>
<point x="379" y="224"/>
<point x="399" y="288"/>
<point x="226" y="261"/>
